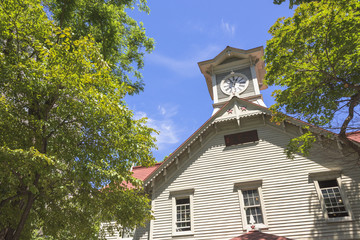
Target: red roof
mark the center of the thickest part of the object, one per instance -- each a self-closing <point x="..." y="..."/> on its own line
<point x="355" y="136"/>
<point x="141" y="173"/>
<point x="256" y="235"/>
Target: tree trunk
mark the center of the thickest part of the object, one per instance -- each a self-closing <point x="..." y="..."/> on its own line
<point x="14" y="234"/>
<point x="24" y="216"/>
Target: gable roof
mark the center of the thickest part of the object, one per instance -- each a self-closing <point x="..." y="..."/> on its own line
<point x="223" y="114"/>
<point x="256" y="235"/>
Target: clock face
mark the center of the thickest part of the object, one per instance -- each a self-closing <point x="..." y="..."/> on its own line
<point x="234" y="84"/>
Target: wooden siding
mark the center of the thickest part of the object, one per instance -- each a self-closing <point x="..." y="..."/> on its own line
<point x="291" y="203"/>
<point x="115" y="234"/>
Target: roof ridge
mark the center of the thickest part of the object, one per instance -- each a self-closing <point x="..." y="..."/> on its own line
<point x="355" y="132"/>
<point x="158" y="163"/>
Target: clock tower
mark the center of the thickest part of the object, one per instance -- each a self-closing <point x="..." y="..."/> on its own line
<point x="235" y="72"/>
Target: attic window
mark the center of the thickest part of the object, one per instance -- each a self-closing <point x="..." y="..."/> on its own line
<point x="243" y="137"/>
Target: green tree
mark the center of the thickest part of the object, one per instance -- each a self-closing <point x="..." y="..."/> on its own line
<point x="66" y="132"/>
<point x="293" y="2"/>
<point x="315" y="56"/>
<point x="121" y="39"/>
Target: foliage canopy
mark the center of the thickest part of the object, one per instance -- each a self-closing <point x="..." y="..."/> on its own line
<point x="293" y="2"/>
<point x="65" y="129"/>
<point x="315" y="56"/>
<point x="122" y="40"/>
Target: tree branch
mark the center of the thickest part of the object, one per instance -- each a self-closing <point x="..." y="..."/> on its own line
<point x="353" y="103"/>
<point x="342" y="135"/>
<point x="2" y="203"/>
<point x="60" y="125"/>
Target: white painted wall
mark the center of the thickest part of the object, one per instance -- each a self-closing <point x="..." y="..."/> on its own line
<point x="291" y="203"/>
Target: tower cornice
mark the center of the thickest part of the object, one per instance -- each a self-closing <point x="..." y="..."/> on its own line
<point x="231" y="57"/>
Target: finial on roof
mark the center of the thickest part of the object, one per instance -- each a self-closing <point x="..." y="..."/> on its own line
<point x="252" y="220"/>
<point x="253" y="227"/>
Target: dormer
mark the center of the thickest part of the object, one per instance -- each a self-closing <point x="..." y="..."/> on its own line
<point x="235" y="72"/>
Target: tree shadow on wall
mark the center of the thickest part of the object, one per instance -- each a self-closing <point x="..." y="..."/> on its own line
<point x="337" y="228"/>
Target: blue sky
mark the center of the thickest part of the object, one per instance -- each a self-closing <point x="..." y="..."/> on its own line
<point x="176" y="100"/>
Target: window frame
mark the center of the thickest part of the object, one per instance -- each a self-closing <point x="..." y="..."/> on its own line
<point x="251" y="185"/>
<point x="182" y="194"/>
<point x="326" y="176"/>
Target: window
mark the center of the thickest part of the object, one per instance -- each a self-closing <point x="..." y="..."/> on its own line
<point x="251" y="204"/>
<point x="334" y="203"/>
<point x="333" y="200"/>
<point x="183" y="219"/>
<point x="182" y="211"/>
<point x="243" y="137"/>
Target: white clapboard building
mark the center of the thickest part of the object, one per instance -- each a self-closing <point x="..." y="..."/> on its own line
<point x="232" y="180"/>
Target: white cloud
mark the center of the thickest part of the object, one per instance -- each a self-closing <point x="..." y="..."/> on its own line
<point x="182" y="67"/>
<point x="139" y="115"/>
<point x="167" y="111"/>
<point x="209" y="52"/>
<point x="168" y="133"/>
<point x="162" y="110"/>
<point x="185" y="67"/>
<point x="162" y="122"/>
<point x="227" y="27"/>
